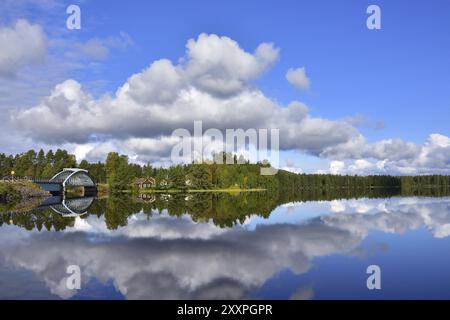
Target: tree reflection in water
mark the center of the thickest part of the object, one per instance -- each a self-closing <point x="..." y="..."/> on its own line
<point x="225" y="210"/>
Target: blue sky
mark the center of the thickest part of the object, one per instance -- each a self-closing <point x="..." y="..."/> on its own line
<point x="388" y="84"/>
<point x="399" y="75"/>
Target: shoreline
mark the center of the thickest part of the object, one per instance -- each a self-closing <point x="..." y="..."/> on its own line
<point x="228" y="190"/>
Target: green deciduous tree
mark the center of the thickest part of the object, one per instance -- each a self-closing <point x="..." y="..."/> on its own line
<point x="118" y="172"/>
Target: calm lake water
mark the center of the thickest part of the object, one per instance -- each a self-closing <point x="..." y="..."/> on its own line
<point x="209" y="246"/>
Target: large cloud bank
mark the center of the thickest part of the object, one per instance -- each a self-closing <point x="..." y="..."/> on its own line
<point x="214" y="82"/>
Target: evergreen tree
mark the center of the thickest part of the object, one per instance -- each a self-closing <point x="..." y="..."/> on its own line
<point x="177" y="177"/>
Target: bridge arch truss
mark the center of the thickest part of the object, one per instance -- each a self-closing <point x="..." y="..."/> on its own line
<point x="73" y="177"/>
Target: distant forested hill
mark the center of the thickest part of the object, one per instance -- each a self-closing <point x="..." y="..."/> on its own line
<point x="120" y="174"/>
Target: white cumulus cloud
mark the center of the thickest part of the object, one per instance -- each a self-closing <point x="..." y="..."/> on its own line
<point x="21" y="44"/>
<point x="298" y="78"/>
<point x="212" y="83"/>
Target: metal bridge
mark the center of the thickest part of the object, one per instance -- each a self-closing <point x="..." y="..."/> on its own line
<point x="67" y="178"/>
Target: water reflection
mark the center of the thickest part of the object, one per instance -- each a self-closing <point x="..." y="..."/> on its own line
<point x="225" y="246"/>
<point x="71" y="207"/>
<point x="225" y="210"/>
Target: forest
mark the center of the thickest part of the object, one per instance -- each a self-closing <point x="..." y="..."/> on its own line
<point x="119" y="174"/>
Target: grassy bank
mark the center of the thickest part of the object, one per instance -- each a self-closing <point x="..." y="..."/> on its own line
<point x="8" y="193"/>
<point x="20" y="190"/>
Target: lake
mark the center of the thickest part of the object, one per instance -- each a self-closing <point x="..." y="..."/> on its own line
<point x="224" y="246"/>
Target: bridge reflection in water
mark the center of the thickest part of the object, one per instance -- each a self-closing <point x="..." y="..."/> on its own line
<point x="68" y="207"/>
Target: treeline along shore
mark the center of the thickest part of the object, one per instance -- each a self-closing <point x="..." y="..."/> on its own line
<point x="117" y="174"/>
